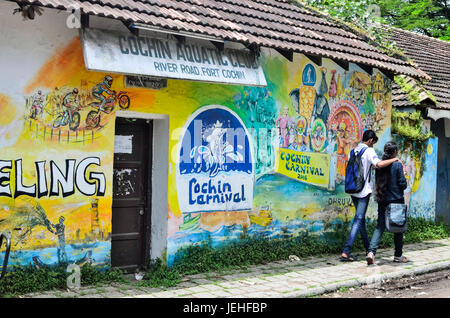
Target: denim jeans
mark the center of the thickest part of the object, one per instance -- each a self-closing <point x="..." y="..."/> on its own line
<point x="359" y="223"/>
<point x="381" y="227"/>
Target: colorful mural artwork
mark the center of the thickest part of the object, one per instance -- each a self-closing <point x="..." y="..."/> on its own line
<point x="266" y="161"/>
<point x="215" y="171"/>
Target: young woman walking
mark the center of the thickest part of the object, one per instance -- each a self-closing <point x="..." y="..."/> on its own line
<point x="389" y="186"/>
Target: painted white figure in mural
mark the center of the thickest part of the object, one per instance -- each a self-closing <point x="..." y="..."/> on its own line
<point x="216" y="144"/>
<point x="330" y="149"/>
<point x="217" y="150"/>
<point x="37" y="105"/>
<point x="410" y="173"/>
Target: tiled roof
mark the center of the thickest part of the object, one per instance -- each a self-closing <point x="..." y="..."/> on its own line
<point x="275" y="24"/>
<point x="400" y="97"/>
<point x="433" y="57"/>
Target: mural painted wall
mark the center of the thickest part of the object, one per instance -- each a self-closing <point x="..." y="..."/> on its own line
<point x="265" y="161"/>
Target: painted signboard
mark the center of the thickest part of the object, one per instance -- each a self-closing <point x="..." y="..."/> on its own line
<point x="215" y="171"/>
<point x="309" y="167"/>
<point x="112" y="51"/>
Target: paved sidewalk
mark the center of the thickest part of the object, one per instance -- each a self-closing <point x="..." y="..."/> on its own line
<point x="283" y="279"/>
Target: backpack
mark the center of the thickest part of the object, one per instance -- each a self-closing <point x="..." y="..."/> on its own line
<point x="354" y="172"/>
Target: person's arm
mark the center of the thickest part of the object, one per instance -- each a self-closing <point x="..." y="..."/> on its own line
<point x="385" y="163"/>
<point x="377" y="162"/>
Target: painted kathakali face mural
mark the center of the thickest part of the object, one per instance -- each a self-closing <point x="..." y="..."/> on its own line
<point x="265" y="161"/>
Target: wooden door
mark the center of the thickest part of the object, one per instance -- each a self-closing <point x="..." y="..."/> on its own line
<point x="131" y="194"/>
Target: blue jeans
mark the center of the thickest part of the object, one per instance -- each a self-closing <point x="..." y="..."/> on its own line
<point x="359" y="223"/>
<point x="381" y="227"/>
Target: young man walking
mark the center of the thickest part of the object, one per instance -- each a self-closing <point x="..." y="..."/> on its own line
<point x="361" y="199"/>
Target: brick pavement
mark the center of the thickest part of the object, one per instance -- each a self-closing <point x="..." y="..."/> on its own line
<point x="307" y="277"/>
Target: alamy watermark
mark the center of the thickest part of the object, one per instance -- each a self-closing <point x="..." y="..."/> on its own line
<point x="74" y="19"/>
<point x="74" y="279"/>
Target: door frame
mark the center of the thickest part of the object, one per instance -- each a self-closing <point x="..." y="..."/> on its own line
<point x="156" y="240"/>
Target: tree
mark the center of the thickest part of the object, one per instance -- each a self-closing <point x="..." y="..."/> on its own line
<point x="429" y="17"/>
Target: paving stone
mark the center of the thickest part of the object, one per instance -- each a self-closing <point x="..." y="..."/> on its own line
<point x="292" y="275"/>
<point x="231" y="284"/>
<point x="115" y="294"/>
<point x="45" y="296"/>
<point x="164" y="294"/>
<point x="67" y="295"/>
<point x="256" y="295"/>
<point x="201" y="281"/>
<point x="274" y="278"/>
<point x="228" y="277"/>
<point x="110" y="289"/>
<point x="234" y="291"/>
<point x="212" y="287"/>
<point x="203" y="295"/>
<point x="220" y="293"/>
<point x="186" y="284"/>
<point x="196" y="289"/>
<point x="257" y="280"/>
<point x="131" y="292"/>
<point x="88" y="290"/>
<point x="144" y="296"/>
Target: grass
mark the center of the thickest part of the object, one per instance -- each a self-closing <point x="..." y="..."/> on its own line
<point x="204" y="259"/>
<point x="27" y="279"/>
<point x="343" y="289"/>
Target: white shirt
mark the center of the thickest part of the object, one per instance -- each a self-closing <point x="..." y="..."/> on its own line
<point x="368" y="159"/>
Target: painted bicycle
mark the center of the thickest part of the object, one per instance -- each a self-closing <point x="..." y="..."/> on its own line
<point x="94" y="116"/>
<point x="71" y="117"/>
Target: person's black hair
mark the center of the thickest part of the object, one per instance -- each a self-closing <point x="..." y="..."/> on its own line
<point x="369" y="134"/>
<point x="382" y="175"/>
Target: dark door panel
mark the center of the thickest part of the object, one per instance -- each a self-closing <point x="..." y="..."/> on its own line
<point x="131" y="194"/>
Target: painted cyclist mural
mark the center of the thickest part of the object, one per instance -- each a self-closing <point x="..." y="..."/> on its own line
<point x="63" y="107"/>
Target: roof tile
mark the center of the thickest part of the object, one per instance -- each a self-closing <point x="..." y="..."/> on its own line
<point x="271" y="23"/>
<point x="433" y="57"/>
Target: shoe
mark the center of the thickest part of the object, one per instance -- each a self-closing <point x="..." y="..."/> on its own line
<point x="370" y="258"/>
<point x="400" y="259"/>
<point x="348" y="258"/>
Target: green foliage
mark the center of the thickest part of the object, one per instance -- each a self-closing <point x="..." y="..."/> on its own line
<point x="410" y="126"/>
<point x="429" y="17"/>
<point x="158" y="274"/>
<point x="413" y="94"/>
<point x="420" y="229"/>
<point x="90" y="275"/>
<point x="27" y="279"/>
<point x="362" y="18"/>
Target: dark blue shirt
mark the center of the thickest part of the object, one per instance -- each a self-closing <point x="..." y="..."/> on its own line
<point x="396" y="183"/>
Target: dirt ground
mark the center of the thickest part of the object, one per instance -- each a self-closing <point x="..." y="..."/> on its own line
<point x="430" y="285"/>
